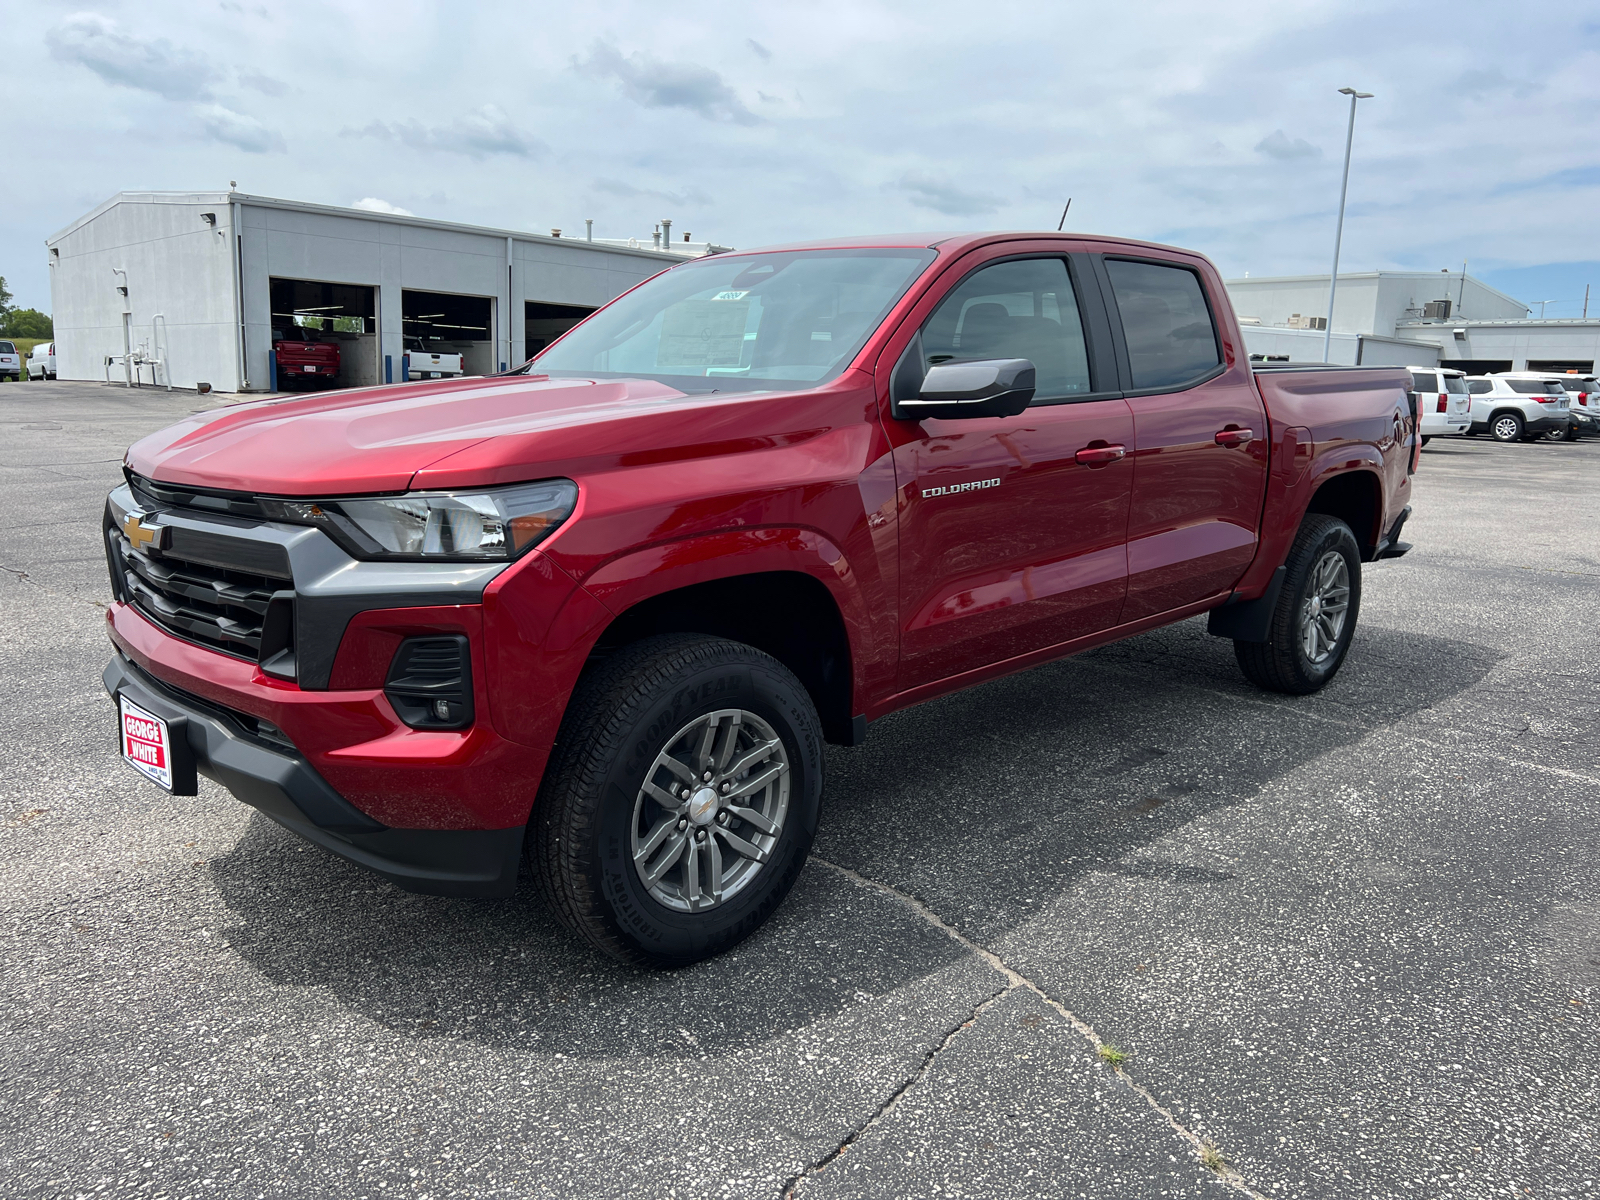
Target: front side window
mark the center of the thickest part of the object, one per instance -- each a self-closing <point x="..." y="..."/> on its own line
<point x="1166" y="323"/>
<point x="1020" y="309"/>
<point x="738" y="323"/>
<point x="1424" y="381"/>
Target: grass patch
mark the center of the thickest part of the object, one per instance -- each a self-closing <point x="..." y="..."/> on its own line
<point x="1112" y="1054"/>
<point x="1211" y="1158"/>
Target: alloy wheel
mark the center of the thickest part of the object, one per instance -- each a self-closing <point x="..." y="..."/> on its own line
<point x="1322" y="613"/>
<point x="710" y="810"/>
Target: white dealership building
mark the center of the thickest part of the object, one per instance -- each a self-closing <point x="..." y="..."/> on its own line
<point x="195" y="287"/>
<point x="1409" y="318"/>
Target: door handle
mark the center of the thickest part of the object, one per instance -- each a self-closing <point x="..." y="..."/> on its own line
<point x="1099" y="456"/>
<point x="1233" y="437"/>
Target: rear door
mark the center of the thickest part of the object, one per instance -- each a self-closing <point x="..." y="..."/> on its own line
<point x="1011" y="529"/>
<point x="1200" y="431"/>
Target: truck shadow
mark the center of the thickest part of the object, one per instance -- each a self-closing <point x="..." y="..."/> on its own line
<point x="988" y="805"/>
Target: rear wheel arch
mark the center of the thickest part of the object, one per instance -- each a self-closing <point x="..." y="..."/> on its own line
<point x="1356" y="498"/>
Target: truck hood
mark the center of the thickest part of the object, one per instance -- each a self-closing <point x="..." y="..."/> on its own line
<point x="379" y="439"/>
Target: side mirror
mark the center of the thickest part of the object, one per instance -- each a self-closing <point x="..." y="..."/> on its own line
<point x="988" y="387"/>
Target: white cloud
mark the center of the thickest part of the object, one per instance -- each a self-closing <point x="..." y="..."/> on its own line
<point x="373" y="204"/>
<point x="239" y="130"/>
<point x="480" y="133"/>
<point x="946" y="198"/>
<point x="649" y="81"/>
<point x="1278" y="144"/>
<point x="128" y="60"/>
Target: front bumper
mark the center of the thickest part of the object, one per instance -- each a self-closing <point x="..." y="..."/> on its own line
<point x="263" y="771"/>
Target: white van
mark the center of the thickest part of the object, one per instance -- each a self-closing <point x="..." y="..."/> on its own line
<point x="1444" y="407"/>
<point x="42" y="362"/>
<point x="10" y="361"/>
<point x="1518" y="405"/>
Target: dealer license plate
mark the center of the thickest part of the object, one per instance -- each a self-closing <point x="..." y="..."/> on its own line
<point x="146" y="743"/>
<point x="309" y="369"/>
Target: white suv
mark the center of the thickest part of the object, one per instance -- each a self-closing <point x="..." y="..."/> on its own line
<point x="10" y="362"/>
<point x="1517" y="406"/>
<point x="1444" y="406"/>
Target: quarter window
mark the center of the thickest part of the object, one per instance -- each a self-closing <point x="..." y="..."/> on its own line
<point x="1166" y="323"/>
<point x="1020" y="309"/>
<point x="1424" y="381"/>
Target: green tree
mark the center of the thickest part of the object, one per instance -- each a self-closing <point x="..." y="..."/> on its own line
<point x="5" y="300"/>
<point x="27" y="323"/>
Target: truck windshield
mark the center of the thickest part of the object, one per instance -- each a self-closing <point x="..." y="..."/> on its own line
<point x="742" y="322"/>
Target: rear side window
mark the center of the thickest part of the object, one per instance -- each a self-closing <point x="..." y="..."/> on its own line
<point x="1424" y="381"/>
<point x="1165" y="320"/>
<point x="1455" y="385"/>
<point x="1530" y="387"/>
<point x="1020" y="309"/>
<point x="1479" y="387"/>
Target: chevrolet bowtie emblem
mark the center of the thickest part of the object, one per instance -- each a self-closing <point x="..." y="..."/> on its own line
<point x="144" y="535"/>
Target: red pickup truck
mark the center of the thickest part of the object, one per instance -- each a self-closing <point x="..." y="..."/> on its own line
<point x="604" y="610"/>
<point x="304" y="359"/>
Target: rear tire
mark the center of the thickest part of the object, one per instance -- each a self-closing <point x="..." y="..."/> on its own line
<point x="633" y="847"/>
<point x="1506" y="427"/>
<point x="1315" y="618"/>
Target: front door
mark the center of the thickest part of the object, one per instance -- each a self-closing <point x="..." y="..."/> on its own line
<point x="1200" y="434"/>
<point x="1011" y="529"/>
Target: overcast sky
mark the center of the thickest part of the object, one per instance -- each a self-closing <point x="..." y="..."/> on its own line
<point x="1213" y="126"/>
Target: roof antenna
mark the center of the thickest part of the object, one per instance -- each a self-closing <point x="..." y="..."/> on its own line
<point x="1062" y="224"/>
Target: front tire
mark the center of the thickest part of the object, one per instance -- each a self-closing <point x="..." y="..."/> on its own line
<point x="681" y="800"/>
<point x="1315" y="618"/>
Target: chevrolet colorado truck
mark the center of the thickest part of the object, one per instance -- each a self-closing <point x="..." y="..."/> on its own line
<point x="603" y="611"/>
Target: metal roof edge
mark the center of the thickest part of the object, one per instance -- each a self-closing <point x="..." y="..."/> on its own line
<point x="358" y="214"/>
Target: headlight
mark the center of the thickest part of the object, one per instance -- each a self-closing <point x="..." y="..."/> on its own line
<point x="492" y="525"/>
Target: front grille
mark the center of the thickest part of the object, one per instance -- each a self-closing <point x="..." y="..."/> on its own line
<point x="220" y="607"/>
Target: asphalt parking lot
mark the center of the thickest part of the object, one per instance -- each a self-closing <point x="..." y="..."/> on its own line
<point x="1349" y="944"/>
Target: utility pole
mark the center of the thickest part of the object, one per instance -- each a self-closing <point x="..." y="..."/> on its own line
<point x="1338" y="232"/>
<point x="1586" y="302"/>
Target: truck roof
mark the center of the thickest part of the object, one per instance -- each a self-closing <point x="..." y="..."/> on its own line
<point x="955" y="242"/>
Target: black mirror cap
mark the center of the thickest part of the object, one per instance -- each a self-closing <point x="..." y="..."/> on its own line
<point x="987" y="387"/>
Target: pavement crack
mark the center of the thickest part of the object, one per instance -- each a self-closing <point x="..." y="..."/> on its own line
<point x="1204" y="1152"/>
<point x="896" y="1096"/>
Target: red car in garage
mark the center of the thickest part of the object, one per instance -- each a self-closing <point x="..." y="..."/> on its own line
<point x="302" y="356"/>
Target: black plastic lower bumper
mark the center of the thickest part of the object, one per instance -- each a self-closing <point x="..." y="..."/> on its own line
<point x="283" y="785"/>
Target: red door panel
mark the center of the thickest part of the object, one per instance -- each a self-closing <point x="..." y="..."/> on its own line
<point x="1200" y="434"/>
<point x="1032" y="556"/>
<point x="1196" y="504"/>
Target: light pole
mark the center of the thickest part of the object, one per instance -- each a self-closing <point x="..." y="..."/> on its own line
<point x="1541" y="304"/>
<point x="1338" y="233"/>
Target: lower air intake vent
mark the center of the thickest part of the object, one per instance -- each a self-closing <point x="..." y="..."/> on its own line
<point x="430" y="682"/>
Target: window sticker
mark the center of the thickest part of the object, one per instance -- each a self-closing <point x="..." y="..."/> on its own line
<point x="703" y="333"/>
